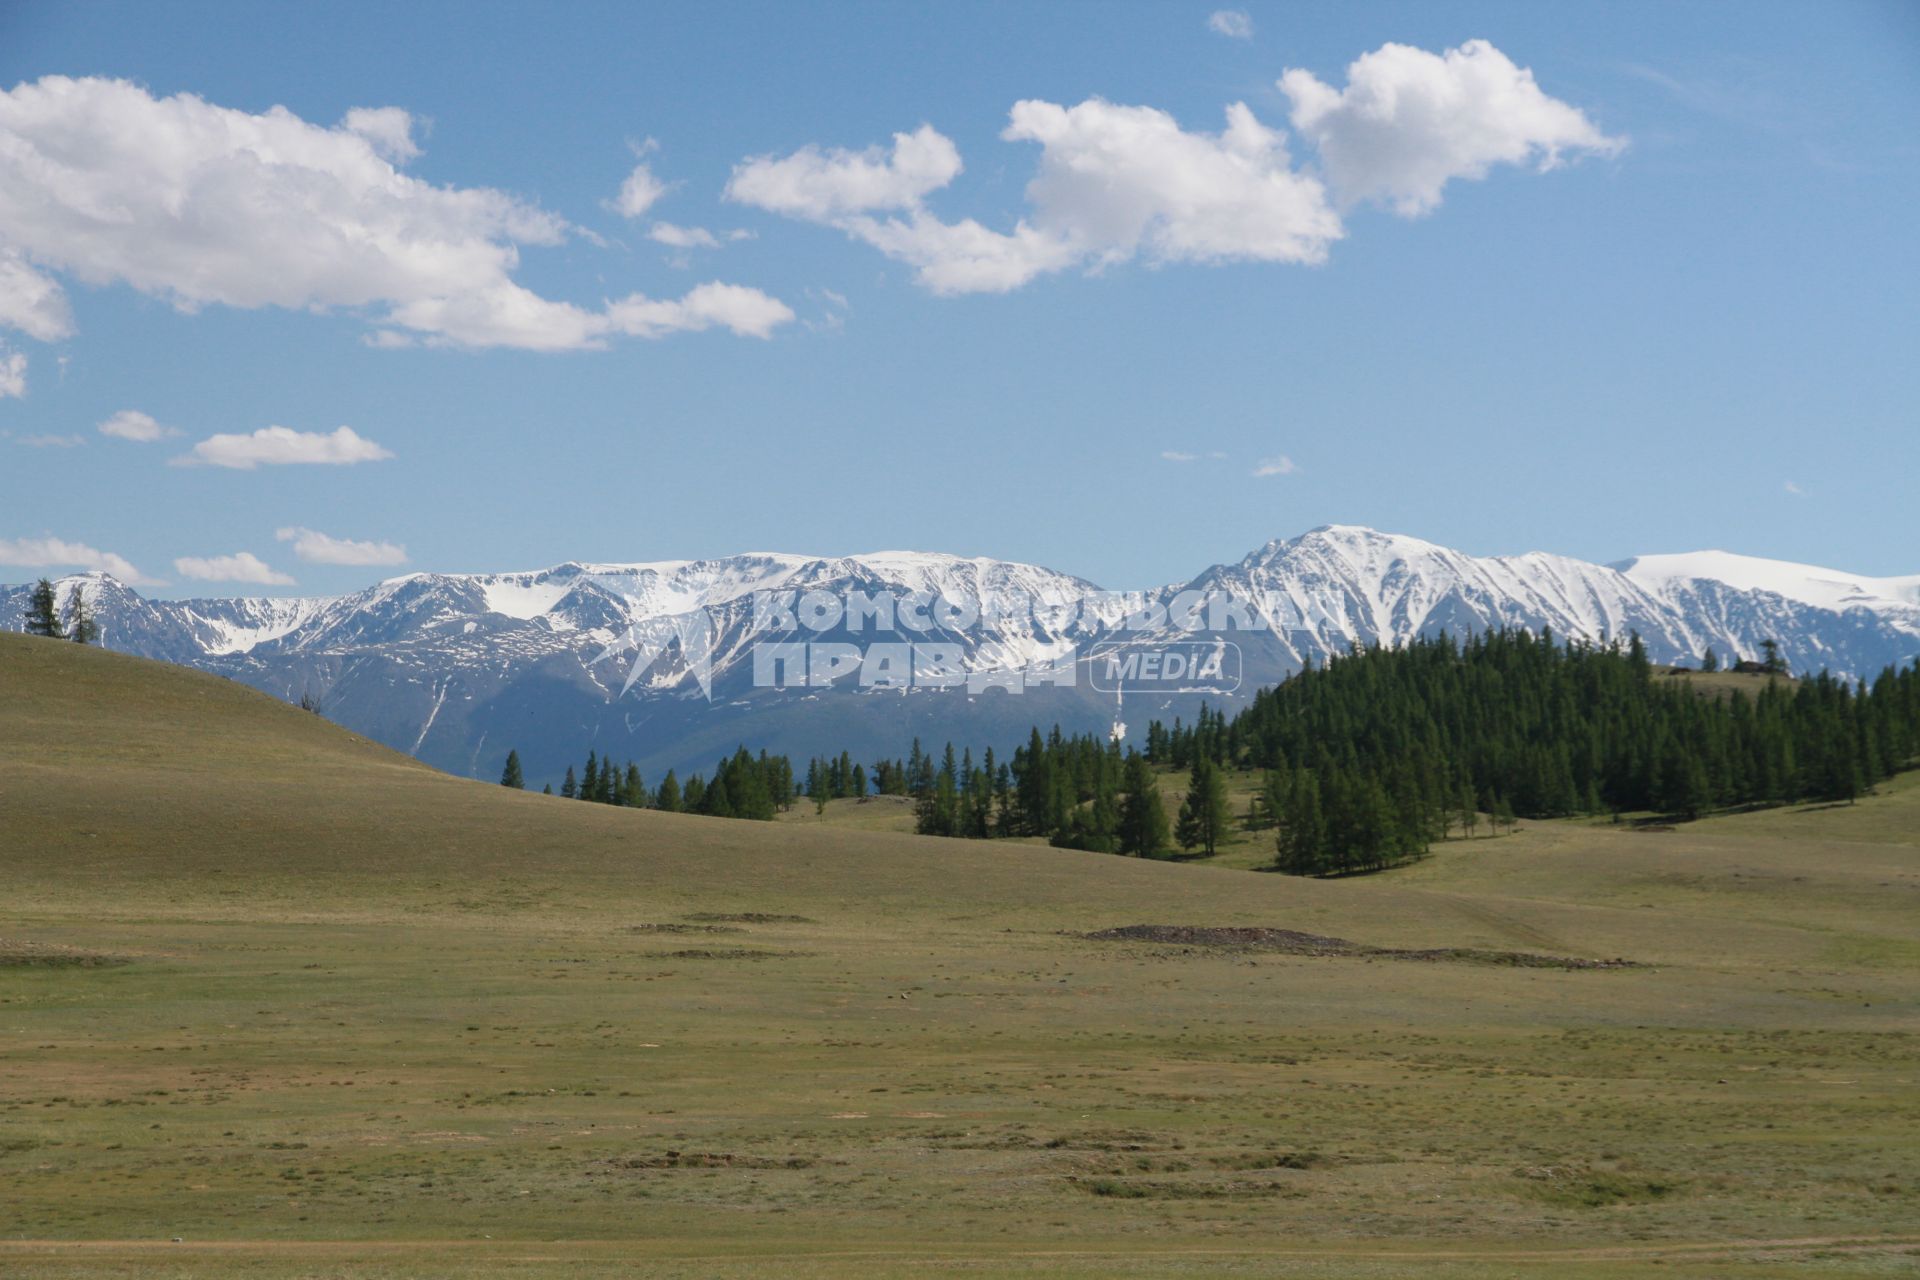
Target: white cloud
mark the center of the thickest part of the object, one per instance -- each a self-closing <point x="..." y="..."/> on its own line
<point x="30" y="301"/>
<point x="1113" y="182"/>
<point x="746" y="312"/>
<point x="283" y="446"/>
<point x="131" y="424"/>
<point x="677" y="237"/>
<point x="1231" y="23"/>
<point x="1175" y="455"/>
<point x="1409" y="121"/>
<point x="241" y="566"/>
<point x="1280" y="465"/>
<point x="13" y="374"/>
<point x="1118" y="182"/>
<point x="318" y="548"/>
<point x="201" y="204"/>
<point x="683" y="237"/>
<point x="642" y="189"/>
<point x="1793" y="487"/>
<point x="49" y="441"/>
<point x="820" y="185"/>
<point x="388" y="130"/>
<point x="964" y="257"/>
<point x="57" y="553"/>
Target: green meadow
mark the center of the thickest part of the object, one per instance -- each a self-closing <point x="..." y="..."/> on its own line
<point x="278" y="1002"/>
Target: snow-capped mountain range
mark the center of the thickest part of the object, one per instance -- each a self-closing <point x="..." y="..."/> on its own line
<point x="657" y="661"/>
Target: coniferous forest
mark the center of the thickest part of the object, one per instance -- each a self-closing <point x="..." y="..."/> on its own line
<point x="1369" y="759"/>
<point x="1366" y="761"/>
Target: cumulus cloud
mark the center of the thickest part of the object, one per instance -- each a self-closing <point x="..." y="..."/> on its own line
<point x="1231" y="23"/>
<point x="31" y="302"/>
<point x="1113" y="182"/>
<point x="1279" y="465"/>
<point x="821" y="184"/>
<point x="201" y="204"/>
<point x="318" y="548"/>
<point x="241" y="566"/>
<point x="57" y="553"/>
<point x="1116" y="182"/>
<point x="1410" y="121"/>
<point x="131" y="424"/>
<point x="746" y="312"/>
<point x="13" y="374"/>
<point x="283" y="446"/>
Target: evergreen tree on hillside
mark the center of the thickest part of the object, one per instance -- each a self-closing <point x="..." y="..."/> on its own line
<point x="511" y="776"/>
<point x="82" y="628"/>
<point x="1143" y="818"/>
<point x="43" y="613"/>
<point x="570" y="788"/>
<point x="1204" y="816"/>
<point x="668" y="799"/>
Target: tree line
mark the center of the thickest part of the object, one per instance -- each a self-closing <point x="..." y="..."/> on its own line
<point x="1365" y="761"/>
<point x="743" y="786"/>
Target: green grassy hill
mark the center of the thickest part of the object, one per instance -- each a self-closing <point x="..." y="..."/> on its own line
<point x="316" y="1010"/>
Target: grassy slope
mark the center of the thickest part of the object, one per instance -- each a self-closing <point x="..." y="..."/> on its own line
<point x="380" y="1021"/>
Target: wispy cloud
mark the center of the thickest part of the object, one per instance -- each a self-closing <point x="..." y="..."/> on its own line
<point x="241" y="566"/>
<point x="1793" y="487"/>
<point x="58" y="553"/>
<point x="283" y="446"/>
<point x="131" y="424"/>
<point x="1234" y="24"/>
<point x="13" y="373"/>
<point x="318" y="548"/>
<point x="49" y="441"/>
<point x="1278" y="465"/>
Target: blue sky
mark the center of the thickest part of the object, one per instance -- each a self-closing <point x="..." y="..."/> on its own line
<point x="1696" y="330"/>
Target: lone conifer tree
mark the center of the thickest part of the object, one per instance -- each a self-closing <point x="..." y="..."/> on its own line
<point x="43" y="614"/>
<point x="511" y="776"/>
<point x="82" y="628"/>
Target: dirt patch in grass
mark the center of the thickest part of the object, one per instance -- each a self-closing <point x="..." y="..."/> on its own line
<point x="47" y="955"/>
<point x="684" y="928"/>
<point x="1293" y="942"/>
<point x="746" y="917"/>
<point x="711" y="1160"/>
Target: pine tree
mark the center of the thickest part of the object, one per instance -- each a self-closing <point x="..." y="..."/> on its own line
<point x="590" y="778"/>
<point x="668" y="798"/>
<point x="1204" y="815"/>
<point x="511" y="776"/>
<point x="1143" y="818"/>
<point x="43" y="614"/>
<point x="570" y="789"/>
<point x="82" y="628"/>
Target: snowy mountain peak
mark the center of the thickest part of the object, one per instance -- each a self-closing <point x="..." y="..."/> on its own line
<point x="1808" y="584"/>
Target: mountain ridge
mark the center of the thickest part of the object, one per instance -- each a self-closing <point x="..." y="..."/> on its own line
<point x="454" y="668"/>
